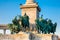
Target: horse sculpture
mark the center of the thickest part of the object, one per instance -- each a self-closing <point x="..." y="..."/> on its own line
<point x="15" y="26"/>
<point x="24" y="21"/>
<point x="45" y="26"/>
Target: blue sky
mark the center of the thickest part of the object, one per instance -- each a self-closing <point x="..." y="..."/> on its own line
<point x="11" y="8"/>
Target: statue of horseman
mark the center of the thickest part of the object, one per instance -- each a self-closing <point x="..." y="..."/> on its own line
<point x="24" y="21"/>
<point x="45" y="26"/>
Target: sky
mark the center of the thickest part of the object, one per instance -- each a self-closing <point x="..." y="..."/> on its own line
<point x="49" y="9"/>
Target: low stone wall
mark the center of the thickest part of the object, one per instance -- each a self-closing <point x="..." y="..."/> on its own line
<point x="20" y="36"/>
<point x="6" y="37"/>
<point x="44" y="37"/>
<point x="28" y="36"/>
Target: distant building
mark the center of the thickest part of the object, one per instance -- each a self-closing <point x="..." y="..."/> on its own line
<point x="4" y="27"/>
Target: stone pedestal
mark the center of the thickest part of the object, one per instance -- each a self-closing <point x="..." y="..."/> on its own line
<point x="32" y="10"/>
<point x="44" y="37"/>
<point x="54" y="37"/>
<point x="29" y="1"/>
<point x="29" y="36"/>
<point x="21" y="36"/>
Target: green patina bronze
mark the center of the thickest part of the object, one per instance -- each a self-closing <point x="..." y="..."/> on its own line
<point x="25" y="21"/>
<point x="16" y="27"/>
<point x="45" y="26"/>
<point x="42" y="25"/>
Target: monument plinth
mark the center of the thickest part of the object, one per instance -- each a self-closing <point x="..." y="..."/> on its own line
<point x="29" y="1"/>
<point x="32" y="10"/>
<point x="29" y="36"/>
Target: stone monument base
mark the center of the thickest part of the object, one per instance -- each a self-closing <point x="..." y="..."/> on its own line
<point x="44" y="37"/>
<point x="29" y="36"/>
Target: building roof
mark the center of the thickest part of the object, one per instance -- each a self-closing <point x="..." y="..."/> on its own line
<point x="3" y="26"/>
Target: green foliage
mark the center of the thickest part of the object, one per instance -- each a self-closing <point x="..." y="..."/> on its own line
<point x="45" y="25"/>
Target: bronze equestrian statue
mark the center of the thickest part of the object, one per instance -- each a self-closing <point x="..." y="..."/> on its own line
<point x="45" y="26"/>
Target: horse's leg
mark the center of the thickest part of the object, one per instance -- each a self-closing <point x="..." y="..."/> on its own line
<point x="11" y="32"/>
<point x="23" y="28"/>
